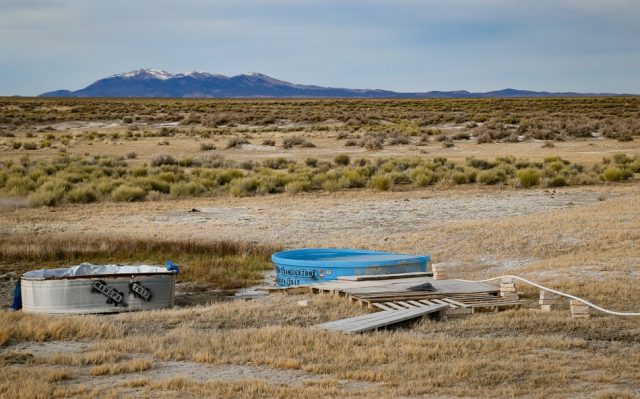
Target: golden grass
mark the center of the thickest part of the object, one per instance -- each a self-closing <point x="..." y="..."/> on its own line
<point x="509" y="354"/>
<point x="37" y="327"/>
<point x="33" y="383"/>
<point x="132" y="366"/>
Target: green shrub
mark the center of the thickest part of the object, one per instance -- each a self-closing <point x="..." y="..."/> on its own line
<point x="529" y="177"/>
<point x="139" y="172"/>
<point x="342" y="159"/>
<point x="352" y="179"/>
<point x="459" y="178"/>
<point x="44" y="197"/>
<point x="127" y="193"/>
<point x="186" y="189"/>
<point x="276" y="163"/>
<point x="489" y="177"/>
<point x="30" y="146"/>
<point x="380" y="182"/>
<point x="16" y="145"/>
<point x="297" y="186"/>
<point x="243" y="187"/>
<point x="18" y="185"/>
<point x="311" y="162"/>
<point x="228" y="175"/>
<point x="557" y="181"/>
<point x="423" y="177"/>
<point x="163" y="159"/>
<point x="612" y="173"/>
<point x="82" y="194"/>
<point x="296" y="141"/>
<point x="331" y="185"/>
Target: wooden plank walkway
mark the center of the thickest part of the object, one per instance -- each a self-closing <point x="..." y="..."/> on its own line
<point x="381" y="319"/>
<point x="457" y="305"/>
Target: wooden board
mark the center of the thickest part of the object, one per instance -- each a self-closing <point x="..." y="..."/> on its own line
<point x="384" y="276"/>
<point x="385" y="290"/>
<point x="379" y="319"/>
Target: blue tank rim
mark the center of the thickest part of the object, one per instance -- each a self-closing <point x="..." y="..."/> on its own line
<point x="283" y="258"/>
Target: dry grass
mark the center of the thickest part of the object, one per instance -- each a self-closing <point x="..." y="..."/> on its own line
<point x="132" y="366"/>
<point x="34" y="383"/>
<point x="509" y="354"/>
<point x="35" y="327"/>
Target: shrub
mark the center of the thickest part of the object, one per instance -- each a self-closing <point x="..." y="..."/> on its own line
<point x="186" y="189"/>
<point x="18" y="185"/>
<point x="557" y="181"/>
<point x="489" y="177"/>
<point x="269" y="142"/>
<point x="30" y="146"/>
<point x="380" y="182"/>
<point x="243" y="187"/>
<point x="484" y="138"/>
<point x="45" y="197"/>
<point x="311" y="162"/>
<point x="83" y="194"/>
<point x="16" y="145"/>
<point x="331" y="185"/>
<point x="447" y="144"/>
<point x="207" y="147"/>
<point x="373" y="143"/>
<point x="398" y="139"/>
<point x="612" y="173"/>
<point x="296" y="141"/>
<point x="189" y="162"/>
<point x="529" y="177"/>
<point x="276" y="163"/>
<point x="236" y="142"/>
<point x="352" y="179"/>
<point x="350" y="143"/>
<point x="163" y="159"/>
<point x="297" y="186"/>
<point x="132" y="155"/>
<point x="479" y="163"/>
<point x="139" y="172"/>
<point x="459" y="178"/>
<point x="423" y="177"/>
<point x="342" y="159"/>
<point x="462" y="136"/>
<point x="127" y="193"/>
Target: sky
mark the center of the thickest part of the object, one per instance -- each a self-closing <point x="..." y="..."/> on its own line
<point x="401" y="45"/>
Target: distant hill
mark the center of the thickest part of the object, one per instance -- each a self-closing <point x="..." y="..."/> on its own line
<point x="161" y="84"/>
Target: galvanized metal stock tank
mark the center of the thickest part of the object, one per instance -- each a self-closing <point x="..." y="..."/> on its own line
<point x="90" y="288"/>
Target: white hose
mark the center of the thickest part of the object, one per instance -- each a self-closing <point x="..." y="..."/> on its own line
<point x="561" y="294"/>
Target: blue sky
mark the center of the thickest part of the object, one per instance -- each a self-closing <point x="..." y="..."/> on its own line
<point x="402" y="45"/>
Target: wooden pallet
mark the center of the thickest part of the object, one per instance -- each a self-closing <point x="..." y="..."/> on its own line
<point x="374" y="321"/>
<point x="458" y="305"/>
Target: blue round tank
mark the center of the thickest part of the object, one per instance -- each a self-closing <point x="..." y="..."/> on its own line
<point x="315" y="265"/>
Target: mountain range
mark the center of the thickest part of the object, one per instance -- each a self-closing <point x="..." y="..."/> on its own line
<point x="154" y="83"/>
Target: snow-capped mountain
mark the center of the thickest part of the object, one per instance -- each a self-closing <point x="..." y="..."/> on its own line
<point x="158" y="83"/>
